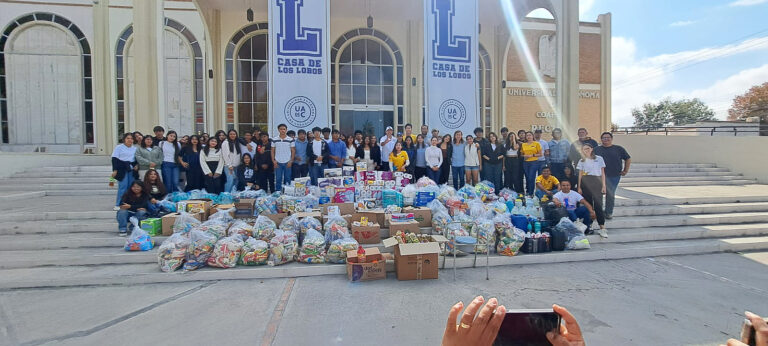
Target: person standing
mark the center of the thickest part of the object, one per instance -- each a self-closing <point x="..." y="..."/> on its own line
<point x="212" y="164"/>
<point x="512" y="178"/>
<point x="410" y="148"/>
<point x="265" y="177"/>
<point x="351" y="158"/>
<point x="574" y="155"/>
<point x="409" y="133"/>
<point x="472" y="161"/>
<point x="375" y="154"/>
<point x="531" y="151"/>
<point x="433" y="156"/>
<point x="447" y="148"/>
<point x="327" y="134"/>
<point x="300" y="167"/>
<point x="148" y="156"/>
<point x="190" y="160"/>
<point x="358" y="138"/>
<point x="170" y="169"/>
<point x="493" y="156"/>
<point x="159" y="136"/>
<point x="283" y="154"/>
<point x="317" y="155"/>
<point x="387" y="145"/>
<point x="558" y="153"/>
<point x="421" y="160"/>
<point x="230" y="150"/>
<point x="247" y="144"/>
<point x="617" y="162"/>
<point x="338" y="151"/>
<point x="481" y="141"/>
<point x="398" y="159"/>
<point x="592" y="183"/>
<point x="457" y="160"/>
<point x="123" y="166"/>
<point x="363" y="153"/>
<point x="544" y="150"/>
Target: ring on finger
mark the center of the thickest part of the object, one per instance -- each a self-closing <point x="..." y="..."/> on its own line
<point x="464" y="325"/>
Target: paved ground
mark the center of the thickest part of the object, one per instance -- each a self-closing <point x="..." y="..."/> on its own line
<point x="690" y="300"/>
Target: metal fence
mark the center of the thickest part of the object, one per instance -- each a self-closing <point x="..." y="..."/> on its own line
<point x="735" y="130"/>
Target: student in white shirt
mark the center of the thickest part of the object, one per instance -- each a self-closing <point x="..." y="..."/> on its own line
<point x="212" y="163"/>
<point x="570" y="200"/>
<point x="232" y="154"/>
<point x="283" y="153"/>
<point x="387" y="145"/>
<point x="434" y="157"/>
<point x="170" y="167"/>
<point x="544" y="150"/>
<point x="592" y="183"/>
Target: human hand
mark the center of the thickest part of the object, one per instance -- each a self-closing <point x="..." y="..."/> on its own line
<point x="570" y="333"/>
<point x="558" y="203"/>
<point x="114" y="174"/>
<point x="603" y="190"/>
<point x="761" y="331"/>
<point x="153" y="201"/>
<point x="581" y="193"/>
<point x="592" y="215"/>
<point x="151" y="165"/>
<point x="216" y="175"/>
<point x="623" y="173"/>
<point x="210" y="175"/>
<point x="125" y="206"/>
<point x="274" y="163"/>
<point x="231" y="169"/>
<point x="185" y="165"/>
<point x="474" y="331"/>
<point x="289" y="164"/>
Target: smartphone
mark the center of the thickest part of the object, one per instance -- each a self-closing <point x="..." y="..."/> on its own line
<point x="527" y="327"/>
<point x="748" y="332"/>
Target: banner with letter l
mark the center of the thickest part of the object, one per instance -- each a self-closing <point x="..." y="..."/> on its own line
<point x="450" y="65"/>
<point x="299" y="76"/>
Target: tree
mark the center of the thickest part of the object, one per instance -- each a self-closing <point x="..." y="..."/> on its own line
<point x="680" y="112"/>
<point x="754" y="100"/>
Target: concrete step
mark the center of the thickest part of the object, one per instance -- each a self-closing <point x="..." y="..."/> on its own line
<point x="628" y="235"/>
<point x="689" y="183"/>
<point x="87" y="226"/>
<point x="106" y="168"/>
<point x="673" y="165"/>
<point x="103" y="179"/>
<point x="634" y="169"/>
<point x="114" y="266"/>
<point x="11" y="196"/>
<point x="65" y="241"/>
<point x="108" y="191"/>
<point x="681" y="180"/>
<point x="57" y="215"/>
<point x="625" y="202"/>
<point x="77" y="187"/>
<point x="633" y="174"/>
<point x="52" y="174"/>
<point x="691" y="209"/>
<point x="686" y="220"/>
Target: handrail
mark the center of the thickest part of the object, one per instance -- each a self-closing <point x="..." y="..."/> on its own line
<point x="667" y="130"/>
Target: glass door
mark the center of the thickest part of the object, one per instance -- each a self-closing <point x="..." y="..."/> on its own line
<point x="370" y="121"/>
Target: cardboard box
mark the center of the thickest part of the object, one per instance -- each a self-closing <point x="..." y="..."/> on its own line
<point x="417" y="261"/>
<point x="153" y="226"/>
<point x="374" y="268"/>
<point x="377" y="216"/>
<point x="316" y="214"/>
<point x="245" y="206"/>
<point x="366" y="234"/>
<point x="277" y="218"/>
<point x="344" y="208"/>
<point x="169" y="219"/>
<point x="196" y="205"/>
<point x="422" y="215"/>
<point x="406" y="227"/>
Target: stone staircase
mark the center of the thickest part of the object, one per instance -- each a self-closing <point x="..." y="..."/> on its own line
<point x="661" y="209"/>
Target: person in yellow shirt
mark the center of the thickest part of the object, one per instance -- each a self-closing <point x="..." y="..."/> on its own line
<point x="398" y="159"/>
<point x="531" y="151"/>
<point x="546" y="183"/>
<point x="409" y="133"/>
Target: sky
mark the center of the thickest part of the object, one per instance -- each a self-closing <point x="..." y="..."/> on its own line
<point x="709" y="49"/>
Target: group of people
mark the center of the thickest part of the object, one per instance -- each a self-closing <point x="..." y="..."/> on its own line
<point x="522" y="161"/>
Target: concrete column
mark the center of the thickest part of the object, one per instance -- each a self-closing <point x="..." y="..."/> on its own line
<point x="148" y="55"/>
<point x="606" y="119"/>
<point x="217" y="112"/>
<point x="104" y="127"/>
<point x="412" y="69"/>
<point x="568" y="63"/>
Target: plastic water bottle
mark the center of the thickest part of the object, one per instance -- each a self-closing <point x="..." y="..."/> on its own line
<point x="537" y="227"/>
<point x="529" y="227"/>
<point x="536" y="202"/>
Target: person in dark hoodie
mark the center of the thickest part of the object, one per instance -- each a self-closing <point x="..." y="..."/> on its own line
<point x="317" y="155"/>
<point x="265" y="176"/>
<point x="135" y="202"/>
<point x="246" y="173"/>
<point x="123" y="166"/>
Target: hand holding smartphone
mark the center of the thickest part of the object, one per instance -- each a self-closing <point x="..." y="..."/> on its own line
<point x="527" y="327"/>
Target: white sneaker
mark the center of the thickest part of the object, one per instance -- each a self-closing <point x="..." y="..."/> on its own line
<point x="603" y="233"/>
<point x="116" y="208"/>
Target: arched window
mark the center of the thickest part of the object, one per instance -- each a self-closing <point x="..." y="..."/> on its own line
<point x="247" y="79"/>
<point x="183" y="76"/>
<point x="484" y="86"/>
<point x="367" y="82"/>
<point x="45" y="82"/>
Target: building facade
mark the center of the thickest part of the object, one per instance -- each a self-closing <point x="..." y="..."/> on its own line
<point x="75" y="74"/>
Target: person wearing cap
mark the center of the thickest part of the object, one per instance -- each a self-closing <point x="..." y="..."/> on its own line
<point x="544" y="150"/>
<point x="387" y="145"/>
<point x="592" y="183"/>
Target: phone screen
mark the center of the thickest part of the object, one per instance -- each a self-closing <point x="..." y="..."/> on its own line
<point x="527" y="327"/>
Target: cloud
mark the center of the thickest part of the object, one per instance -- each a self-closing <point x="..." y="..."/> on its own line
<point x="742" y="3"/>
<point x="640" y="80"/>
<point x="584" y="7"/>
<point x="682" y="23"/>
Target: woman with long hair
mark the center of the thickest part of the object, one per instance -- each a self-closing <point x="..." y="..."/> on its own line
<point x="434" y="157"/>
<point x="398" y="159"/>
<point x="351" y="158"/>
<point x="445" y="168"/>
<point x="232" y="154"/>
<point x="246" y="174"/>
<point x="148" y="156"/>
<point x="493" y="156"/>
<point x="375" y="154"/>
<point x="170" y="170"/>
<point x="410" y="149"/>
<point x="123" y="166"/>
<point x="531" y="151"/>
<point x="512" y="178"/>
<point x="212" y="164"/>
<point x="265" y="177"/>
<point x="472" y="161"/>
<point x="156" y="190"/>
<point x="363" y="153"/>
<point x="138" y="138"/>
<point x="457" y="160"/>
<point x="221" y="137"/>
<point x="190" y="160"/>
<point x="134" y="202"/>
<point x="420" y="168"/>
<point x="570" y="175"/>
<point x="592" y="183"/>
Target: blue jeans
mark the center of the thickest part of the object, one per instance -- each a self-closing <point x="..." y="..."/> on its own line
<point x="541" y="193"/>
<point x="124" y="215"/>
<point x="611" y="184"/>
<point x="299" y="171"/>
<point x="558" y="169"/>
<point x="580" y="213"/>
<point x="385" y="167"/>
<point x="316" y="171"/>
<point x="123" y="186"/>
<point x="434" y="175"/>
<point x="231" y="179"/>
<point x="458" y="177"/>
<point x="493" y="174"/>
<point x="282" y="175"/>
<point x="170" y="175"/>
<point x="530" y="168"/>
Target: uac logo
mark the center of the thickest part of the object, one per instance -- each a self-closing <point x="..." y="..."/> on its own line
<point x="294" y="39"/>
<point x="446" y="46"/>
<point x="299" y="111"/>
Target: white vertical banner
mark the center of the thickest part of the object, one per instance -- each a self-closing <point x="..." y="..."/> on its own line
<point x="450" y="64"/>
<point x="299" y="79"/>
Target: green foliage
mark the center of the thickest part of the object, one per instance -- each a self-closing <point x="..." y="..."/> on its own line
<point x="680" y="112"/>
